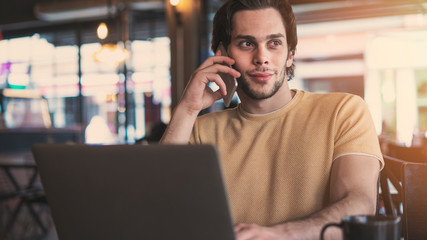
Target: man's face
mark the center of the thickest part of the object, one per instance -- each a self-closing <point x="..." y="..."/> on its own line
<point x="258" y="45"/>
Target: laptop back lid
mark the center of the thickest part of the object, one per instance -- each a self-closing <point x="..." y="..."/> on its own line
<point x="135" y="191"/>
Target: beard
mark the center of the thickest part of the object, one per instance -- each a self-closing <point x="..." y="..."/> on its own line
<point x="251" y="92"/>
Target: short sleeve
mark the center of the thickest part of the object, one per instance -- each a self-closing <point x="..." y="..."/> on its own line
<point x="355" y="131"/>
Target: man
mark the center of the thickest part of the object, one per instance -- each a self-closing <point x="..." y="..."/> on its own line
<point x="292" y="160"/>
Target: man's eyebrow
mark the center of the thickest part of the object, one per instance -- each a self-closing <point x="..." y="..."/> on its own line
<point x="252" y="38"/>
<point x="276" y="35"/>
<point x="246" y="37"/>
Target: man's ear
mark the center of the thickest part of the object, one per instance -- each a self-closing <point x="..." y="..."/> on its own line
<point x="290" y="59"/>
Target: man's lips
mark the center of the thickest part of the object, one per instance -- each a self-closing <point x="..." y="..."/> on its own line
<point x="261" y="77"/>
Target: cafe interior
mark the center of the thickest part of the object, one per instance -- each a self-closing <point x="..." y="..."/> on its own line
<point x="111" y="71"/>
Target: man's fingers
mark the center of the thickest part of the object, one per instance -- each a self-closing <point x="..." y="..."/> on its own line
<point x="244" y="232"/>
<point x="216" y="60"/>
<point x="238" y="227"/>
<point x="222" y="69"/>
<point x="217" y="95"/>
<point x="214" y="77"/>
<point x="211" y="75"/>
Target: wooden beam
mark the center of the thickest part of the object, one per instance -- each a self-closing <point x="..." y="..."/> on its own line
<point x="184" y="22"/>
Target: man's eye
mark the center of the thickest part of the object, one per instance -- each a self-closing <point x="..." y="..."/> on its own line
<point x="246" y="44"/>
<point x="276" y="43"/>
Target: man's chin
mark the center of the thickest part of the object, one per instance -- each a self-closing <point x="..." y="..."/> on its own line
<point x="258" y="95"/>
<point x="256" y="90"/>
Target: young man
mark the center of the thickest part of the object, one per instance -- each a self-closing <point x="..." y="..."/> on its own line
<point x="292" y="160"/>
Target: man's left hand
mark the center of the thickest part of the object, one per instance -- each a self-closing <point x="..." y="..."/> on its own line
<point x="256" y="232"/>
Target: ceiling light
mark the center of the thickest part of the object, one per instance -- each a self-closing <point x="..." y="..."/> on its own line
<point x="174" y="2"/>
<point x="111" y="54"/>
<point x="102" y="31"/>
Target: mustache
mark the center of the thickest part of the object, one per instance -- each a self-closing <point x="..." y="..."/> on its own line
<point x="262" y="69"/>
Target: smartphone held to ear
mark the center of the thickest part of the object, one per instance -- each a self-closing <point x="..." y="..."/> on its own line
<point x="230" y="81"/>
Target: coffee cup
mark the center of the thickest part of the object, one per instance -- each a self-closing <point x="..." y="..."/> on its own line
<point x="368" y="227"/>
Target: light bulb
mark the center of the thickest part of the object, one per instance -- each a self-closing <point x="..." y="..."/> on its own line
<point x="174" y="2"/>
<point x="102" y="31"/>
<point x="111" y="54"/>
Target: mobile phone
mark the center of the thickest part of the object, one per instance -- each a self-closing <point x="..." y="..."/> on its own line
<point x="230" y="81"/>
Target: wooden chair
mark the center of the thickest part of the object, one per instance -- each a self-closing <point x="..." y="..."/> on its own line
<point x="410" y="154"/>
<point x="409" y="200"/>
<point x="28" y="196"/>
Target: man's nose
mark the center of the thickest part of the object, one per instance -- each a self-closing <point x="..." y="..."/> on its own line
<point x="261" y="56"/>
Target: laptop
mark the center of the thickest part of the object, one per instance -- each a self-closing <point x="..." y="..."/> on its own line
<point x="148" y="192"/>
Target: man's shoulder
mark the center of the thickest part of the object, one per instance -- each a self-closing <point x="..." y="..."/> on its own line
<point x="329" y="103"/>
<point x="330" y="98"/>
<point x="329" y="95"/>
<point x="218" y="115"/>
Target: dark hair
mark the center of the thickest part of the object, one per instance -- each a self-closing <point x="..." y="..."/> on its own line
<point x="222" y="23"/>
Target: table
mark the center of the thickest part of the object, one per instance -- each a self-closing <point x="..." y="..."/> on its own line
<point x="28" y="194"/>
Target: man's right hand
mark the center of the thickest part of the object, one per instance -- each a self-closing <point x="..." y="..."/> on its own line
<point x="198" y="96"/>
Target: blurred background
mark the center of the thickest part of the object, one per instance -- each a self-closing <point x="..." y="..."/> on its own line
<point x="111" y="72"/>
<point x="56" y="71"/>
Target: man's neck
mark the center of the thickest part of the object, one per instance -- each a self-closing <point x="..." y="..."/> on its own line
<point x="264" y="106"/>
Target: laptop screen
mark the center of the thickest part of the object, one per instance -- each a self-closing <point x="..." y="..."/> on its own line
<point x="135" y="191"/>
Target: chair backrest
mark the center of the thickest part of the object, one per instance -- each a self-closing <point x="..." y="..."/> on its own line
<point x="409" y="200"/>
<point x="410" y="154"/>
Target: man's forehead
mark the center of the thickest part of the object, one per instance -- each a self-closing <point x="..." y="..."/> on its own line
<point x="261" y="23"/>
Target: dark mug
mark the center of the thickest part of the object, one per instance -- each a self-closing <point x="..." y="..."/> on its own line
<point x="368" y="227"/>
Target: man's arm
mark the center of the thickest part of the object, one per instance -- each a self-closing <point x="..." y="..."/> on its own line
<point x="198" y="96"/>
<point x="353" y="191"/>
<point x="180" y="127"/>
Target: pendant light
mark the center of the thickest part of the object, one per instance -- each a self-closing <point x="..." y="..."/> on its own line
<point x="111" y="52"/>
<point x="102" y="31"/>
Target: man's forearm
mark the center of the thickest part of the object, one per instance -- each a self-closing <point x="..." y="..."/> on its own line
<point x="310" y="227"/>
<point x="180" y="127"/>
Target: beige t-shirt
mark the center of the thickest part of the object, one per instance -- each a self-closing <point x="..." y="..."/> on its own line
<point x="277" y="166"/>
